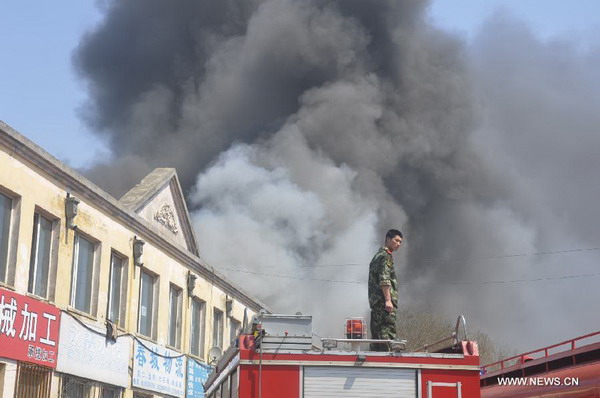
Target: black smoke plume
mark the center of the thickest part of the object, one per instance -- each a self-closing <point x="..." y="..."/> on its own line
<point x="302" y="131"/>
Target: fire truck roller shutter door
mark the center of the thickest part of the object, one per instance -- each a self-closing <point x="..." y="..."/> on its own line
<point x="351" y="382"/>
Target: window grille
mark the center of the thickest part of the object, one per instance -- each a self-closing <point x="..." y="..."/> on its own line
<point x="77" y="387"/>
<point x="33" y="381"/>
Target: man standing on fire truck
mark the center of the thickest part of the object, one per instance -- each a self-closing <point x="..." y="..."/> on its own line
<point x="383" y="291"/>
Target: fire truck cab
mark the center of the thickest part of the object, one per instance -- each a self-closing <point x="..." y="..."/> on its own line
<point x="281" y="360"/>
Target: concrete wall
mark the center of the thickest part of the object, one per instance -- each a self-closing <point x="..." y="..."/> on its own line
<point x="8" y="376"/>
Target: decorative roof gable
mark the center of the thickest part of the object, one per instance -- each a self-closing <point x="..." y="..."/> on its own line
<point x="160" y="201"/>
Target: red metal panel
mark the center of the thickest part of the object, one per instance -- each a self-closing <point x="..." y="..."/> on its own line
<point x="276" y="381"/>
<point x="569" y="347"/>
<point x="469" y="380"/>
<point x="588" y="376"/>
<point x="28" y="329"/>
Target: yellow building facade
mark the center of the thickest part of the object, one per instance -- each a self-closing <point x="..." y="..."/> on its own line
<point x="123" y="276"/>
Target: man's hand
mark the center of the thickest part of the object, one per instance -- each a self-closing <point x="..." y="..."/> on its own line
<point x="389" y="307"/>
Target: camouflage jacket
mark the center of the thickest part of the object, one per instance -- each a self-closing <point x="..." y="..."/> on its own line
<point x="381" y="273"/>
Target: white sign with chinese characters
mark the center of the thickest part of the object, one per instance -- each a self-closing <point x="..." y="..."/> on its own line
<point x="87" y="354"/>
<point x="158" y="369"/>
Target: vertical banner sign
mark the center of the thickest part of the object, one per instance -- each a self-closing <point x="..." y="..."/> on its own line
<point x="197" y="374"/>
<point x="28" y="329"/>
<point x="158" y="369"/>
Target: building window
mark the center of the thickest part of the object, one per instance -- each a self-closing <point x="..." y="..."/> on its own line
<point x="39" y="263"/>
<point x="234" y="330"/>
<point x="218" y="328"/>
<point x="32" y="381"/>
<point x="234" y="384"/>
<point x="197" y="334"/>
<point x="83" y="274"/>
<point x="108" y="392"/>
<point x="5" y="213"/>
<point x="148" y="299"/>
<point x="2" y="375"/>
<point x="117" y="303"/>
<point x="76" y="387"/>
<point x="175" y="316"/>
<point x="226" y="388"/>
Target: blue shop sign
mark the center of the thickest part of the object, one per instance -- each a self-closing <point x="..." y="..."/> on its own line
<point x="159" y="369"/>
<point x="197" y="374"/>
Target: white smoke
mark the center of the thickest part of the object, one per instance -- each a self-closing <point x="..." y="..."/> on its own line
<point x="272" y="212"/>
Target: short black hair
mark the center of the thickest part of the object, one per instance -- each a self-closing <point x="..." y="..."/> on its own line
<point x="392" y="233"/>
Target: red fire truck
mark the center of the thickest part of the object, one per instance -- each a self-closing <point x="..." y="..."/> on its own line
<point x="568" y="369"/>
<point x="281" y="360"/>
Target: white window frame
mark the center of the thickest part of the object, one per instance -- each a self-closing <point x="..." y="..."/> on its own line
<point x="178" y="292"/>
<point x="123" y="288"/>
<point x="75" y="269"/>
<point x="218" y="328"/>
<point x="33" y="260"/>
<point x="201" y="326"/>
<point x="152" y="311"/>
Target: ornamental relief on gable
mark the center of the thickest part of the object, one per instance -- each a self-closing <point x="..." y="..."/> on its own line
<point x="166" y="216"/>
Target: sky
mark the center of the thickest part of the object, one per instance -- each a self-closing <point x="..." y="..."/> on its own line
<point x="42" y="93"/>
<point x="546" y="18"/>
<point x="470" y="217"/>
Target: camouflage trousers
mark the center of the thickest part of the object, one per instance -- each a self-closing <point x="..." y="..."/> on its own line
<point x="383" y="327"/>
